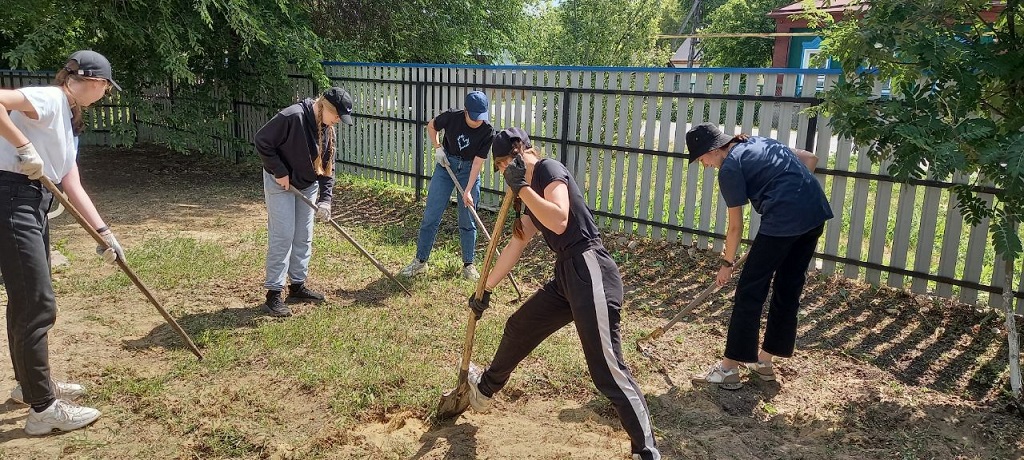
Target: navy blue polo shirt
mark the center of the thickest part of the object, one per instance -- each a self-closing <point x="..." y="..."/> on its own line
<point x="781" y="189"/>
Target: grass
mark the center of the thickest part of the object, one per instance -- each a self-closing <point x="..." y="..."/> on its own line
<point x="370" y="352"/>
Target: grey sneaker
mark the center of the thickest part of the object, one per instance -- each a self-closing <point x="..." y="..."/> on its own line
<point x="61" y="390"/>
<point x="469" y="272"/>
<point x="727" y="379"/>
<point x="762" y="369"/>
<point x="60" y="416"/>
<point x="413" y="269"/>
<point x="477" y="400"/>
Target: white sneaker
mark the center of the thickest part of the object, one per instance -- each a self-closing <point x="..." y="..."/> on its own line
<point x="413" y="269"/>
<point x="60" y="416"/>
<point x="62" y="390"/>
<point x="469" y="272"/>
<point x="477" y="400"/>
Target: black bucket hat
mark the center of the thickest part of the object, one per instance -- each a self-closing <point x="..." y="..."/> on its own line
<point x="704" y="138"/>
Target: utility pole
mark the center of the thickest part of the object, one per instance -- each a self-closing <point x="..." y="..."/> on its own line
<point x="694" y="19"/>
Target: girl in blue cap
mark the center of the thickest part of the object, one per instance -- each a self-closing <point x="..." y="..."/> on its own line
<point x="40" y="128"/>
<point x="586" y="289"/>
<point x="297" y="150"/>
<point x="463" y="148"/>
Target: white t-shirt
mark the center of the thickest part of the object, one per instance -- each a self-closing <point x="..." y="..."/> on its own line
<point x="51" y="134"/>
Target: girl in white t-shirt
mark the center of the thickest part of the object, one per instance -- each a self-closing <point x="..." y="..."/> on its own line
<point x="40" y="137"/>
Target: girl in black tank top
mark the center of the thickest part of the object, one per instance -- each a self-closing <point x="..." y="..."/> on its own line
<point x="586" y="289"/>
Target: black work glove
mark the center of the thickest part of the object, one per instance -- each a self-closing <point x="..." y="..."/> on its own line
<point x="515" y="174"/>
<point x="478" y="306"/>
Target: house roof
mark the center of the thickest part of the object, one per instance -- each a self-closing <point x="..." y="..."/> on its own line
<point x="829" y="6"/>
<point x="682" y="53"/>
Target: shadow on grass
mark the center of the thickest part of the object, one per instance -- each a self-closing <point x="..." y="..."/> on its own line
<point x="197" y="326"/>
<point x="696" y="422"/>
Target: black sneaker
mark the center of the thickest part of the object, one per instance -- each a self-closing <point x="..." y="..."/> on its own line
<point x="275" y="307"/>
<point x="300" y="293"/>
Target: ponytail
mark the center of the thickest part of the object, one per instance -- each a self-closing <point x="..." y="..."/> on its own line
<point x="318" y="164"/>
<point x="61" y="80"/>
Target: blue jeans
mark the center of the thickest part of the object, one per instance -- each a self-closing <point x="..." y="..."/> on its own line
<point x="441" y="187"/>
<point x="289" y="233"/>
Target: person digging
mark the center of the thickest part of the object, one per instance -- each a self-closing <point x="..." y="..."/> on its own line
<point x="586" y="289"/>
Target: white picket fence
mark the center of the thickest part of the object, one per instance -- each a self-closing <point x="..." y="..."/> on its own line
<point x="621" y="131"/>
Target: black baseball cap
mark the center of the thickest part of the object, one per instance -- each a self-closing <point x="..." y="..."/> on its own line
<point x="342" y="102"/>
<point x="503" y="141"/>
<point x="92" y="64"/>
<point x="704" y="138"/>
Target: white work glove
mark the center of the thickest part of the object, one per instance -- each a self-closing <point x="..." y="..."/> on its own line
<point x="323" y="212"/>
<point x="114" y="252"/>
<point x="29" y="162"/>
<point x="440" y="156"/>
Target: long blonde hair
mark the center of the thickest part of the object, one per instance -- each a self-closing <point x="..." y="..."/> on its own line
<point x="318" y="165"/>
<point x="64" y="76"/>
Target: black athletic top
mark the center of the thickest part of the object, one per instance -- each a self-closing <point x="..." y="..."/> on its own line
<point x="461" y="140"/>
<point x="581" y="233"/>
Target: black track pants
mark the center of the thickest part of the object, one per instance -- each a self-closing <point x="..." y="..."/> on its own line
<point x="587" y="290"/>
<point x="781" y="262"/>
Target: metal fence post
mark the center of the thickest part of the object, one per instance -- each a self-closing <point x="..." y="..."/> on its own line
<point x="418" y="110"/>
<point x="565" y="127"/>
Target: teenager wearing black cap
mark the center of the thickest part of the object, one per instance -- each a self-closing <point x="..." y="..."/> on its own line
<point x="40" y="128"/>
<point x="297" y="149"/>
<point x="463" y="148"/>
<point x="586" y="289"/>
<point x="779" y="184"/>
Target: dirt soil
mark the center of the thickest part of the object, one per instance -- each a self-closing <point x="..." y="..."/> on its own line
<point x="878" y="373"/>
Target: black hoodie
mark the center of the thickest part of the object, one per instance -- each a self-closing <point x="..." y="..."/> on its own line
<point x="287" y="146"/>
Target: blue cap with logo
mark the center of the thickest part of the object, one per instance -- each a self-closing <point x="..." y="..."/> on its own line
<point x="477" y="105"/>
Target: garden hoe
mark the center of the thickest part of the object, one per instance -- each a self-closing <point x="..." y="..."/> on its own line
<point x="456" y="401"/>
<point x="352" y="240"/>
<point x="124" y="267"/>
<point x="483" y="228"/>
<point x="675" y="319"/>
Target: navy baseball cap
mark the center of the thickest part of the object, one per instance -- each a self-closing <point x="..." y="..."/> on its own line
<point x="92" y="64"/>
<point x="477" y="105"/>
<point x="342" y="102"/>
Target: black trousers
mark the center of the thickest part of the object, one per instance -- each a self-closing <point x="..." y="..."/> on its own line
<point x="587" y="290"/>
<point x="775" y="261"/>
<point x="25" y="265"/>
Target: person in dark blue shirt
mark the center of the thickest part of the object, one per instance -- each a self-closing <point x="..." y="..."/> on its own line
<point x="586" y="289"/>
<point x="778" y="183"/>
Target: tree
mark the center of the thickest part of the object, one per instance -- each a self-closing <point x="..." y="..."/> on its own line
<point x="438" y="31"/>
<point x="737" y="16"/>
<point x="594" y="33"/>
<point x="208" y="53"/>
<point x="957" y="107"/>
